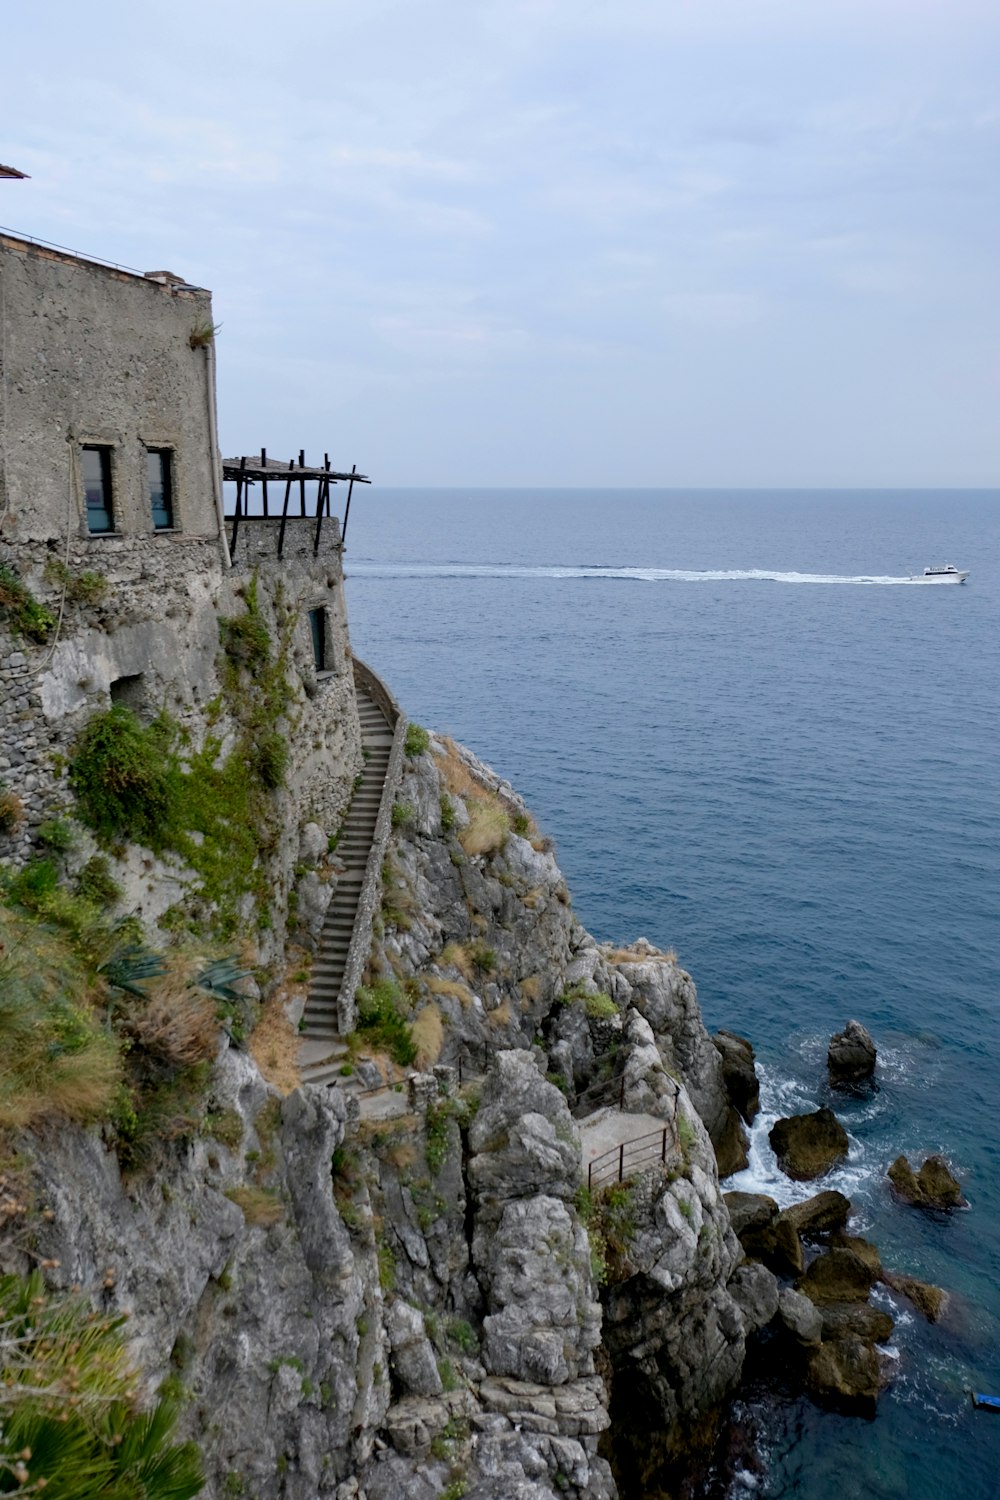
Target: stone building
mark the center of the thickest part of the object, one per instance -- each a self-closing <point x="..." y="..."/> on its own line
<point x="115" y="570"/>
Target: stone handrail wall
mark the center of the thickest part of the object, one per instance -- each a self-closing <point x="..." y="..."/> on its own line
<point x="373" y="685"/>
<point x="361" y="937"/>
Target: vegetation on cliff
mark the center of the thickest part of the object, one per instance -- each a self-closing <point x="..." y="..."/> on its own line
<point x="71" y="1423"/>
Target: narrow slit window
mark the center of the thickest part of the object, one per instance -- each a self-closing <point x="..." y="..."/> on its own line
<point x="317" y="625"/>
<point x="160" y="487"/>
<point x="95" y="466"/>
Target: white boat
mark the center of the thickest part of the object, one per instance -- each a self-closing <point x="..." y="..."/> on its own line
<point x="946" y="573"/>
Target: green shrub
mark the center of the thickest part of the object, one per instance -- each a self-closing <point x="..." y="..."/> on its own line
<point x="521" y="824"/>
<point x="447" y="813"/>
<point x="126" y="779"/>
<point x="69" y="1412"/>
<point x="600" y="1007"/>
<point x="80" y="588"/>
<point x="27" y="617"/>
<point x="417" y="740"/>
<point x="271" y="758"/>
<point x="404" y="815"/>
<point x="224" y="1126"/>
<point x="246" y="639"/>
<point x="463" y="1335"/>
<point x="57" y="834"/>
<point x="380" y="1018"/>
<point x="11" y="811"/>
<point x="608" y="1215"/>
<point x="95" y="882"/>
<point x="482" y="956"/>
<point x="32" y="886"/>
<point x="386" y="1268"/>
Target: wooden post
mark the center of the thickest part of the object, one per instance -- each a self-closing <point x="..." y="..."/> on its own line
<point x="284" y="508"/>
<point x="302" y="482"/>
<point x="621" y="1162"/>
<point x="263" y="477"/>
<point x="590" y="1168"/>
<point x="347" y="507"/>
<point x="663" y="1145"/>
<point x="239" y="506"/>
<point x="322" y="493"/>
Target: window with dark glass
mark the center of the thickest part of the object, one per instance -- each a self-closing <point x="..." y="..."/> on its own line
<point x="159" y="484"/>
<point x="95" y="465"/>
<point x="317" y="624"/>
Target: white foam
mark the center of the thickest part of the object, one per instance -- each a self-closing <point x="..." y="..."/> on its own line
<point x="781" y="1097"/>
<point x="633" y="575"/>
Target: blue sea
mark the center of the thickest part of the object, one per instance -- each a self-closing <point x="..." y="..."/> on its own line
<point x="752" y="741"/>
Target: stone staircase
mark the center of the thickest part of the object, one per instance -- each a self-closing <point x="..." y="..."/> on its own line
<point x="324" y="1050"/>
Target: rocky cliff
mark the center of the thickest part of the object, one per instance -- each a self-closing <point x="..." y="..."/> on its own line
<point x="418" y="1294"/>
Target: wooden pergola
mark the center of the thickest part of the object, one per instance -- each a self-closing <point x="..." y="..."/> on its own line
<point x="259" y="469"/>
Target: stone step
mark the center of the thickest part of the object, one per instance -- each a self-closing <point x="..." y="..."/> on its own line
<point x="353" y="849"/>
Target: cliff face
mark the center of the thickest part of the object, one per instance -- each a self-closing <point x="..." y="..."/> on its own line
<point x="359" y="1301"/>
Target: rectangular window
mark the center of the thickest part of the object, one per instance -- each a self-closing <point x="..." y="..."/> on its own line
<point x="159" y="486"/>
<point x="317" y="624"/>
<point x="95" y="464"/>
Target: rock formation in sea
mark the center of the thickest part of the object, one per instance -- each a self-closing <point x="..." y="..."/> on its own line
<point x="807" y="1146"/>
<point x="851" y="1056"/>
<point x="933" y="1186"/>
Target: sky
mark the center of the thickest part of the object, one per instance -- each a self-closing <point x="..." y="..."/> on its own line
<point x="678" y="243"/>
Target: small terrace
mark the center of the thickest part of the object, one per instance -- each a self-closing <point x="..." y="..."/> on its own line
<point x="284" y="508"/>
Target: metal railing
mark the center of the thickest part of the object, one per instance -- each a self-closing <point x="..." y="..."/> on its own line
<point x="630" y="1157"/>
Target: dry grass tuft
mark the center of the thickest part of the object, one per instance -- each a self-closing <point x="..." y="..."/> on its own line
<point x="531" y="988"/>
<point x="259" y="1206"/>
<point x="487" y="830"/>
<point x="274" y="1047"/>
<point x="533" y="898"/>
<point x="78" y="1086"/>
<point x="452" y="989"/>
<point x="454" y="956"/>
<point x="639" y="956"/>
<point x="401" y="1154"/>
<point x="489" y="824"/>
<point x="427" y="1032"/>
<point x="177" y="1024"/>
<point x="457" y="777"/>
<point x="623" y="956"/>
<point x="502" y="1016"/>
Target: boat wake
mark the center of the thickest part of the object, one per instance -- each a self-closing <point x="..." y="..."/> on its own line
<point x="626" y="575"/>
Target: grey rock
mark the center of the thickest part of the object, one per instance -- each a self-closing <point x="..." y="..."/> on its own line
<point x="313" y="843"/>
<point x="544" y="1322"/>
<point x="800" y="1317"/>
<point x="738" y="1073"/>
<point x="413" y="1359"/>
<point x="754" y="1289"/>
<point x="851" y="1056"/>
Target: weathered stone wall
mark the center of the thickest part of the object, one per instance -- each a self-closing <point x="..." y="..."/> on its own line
<point x="93" y="355"/>
<point x="152" y="641"/>
<point x="257" y="539"/>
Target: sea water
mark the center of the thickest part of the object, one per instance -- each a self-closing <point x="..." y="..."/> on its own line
<point x="752" y="741"/>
